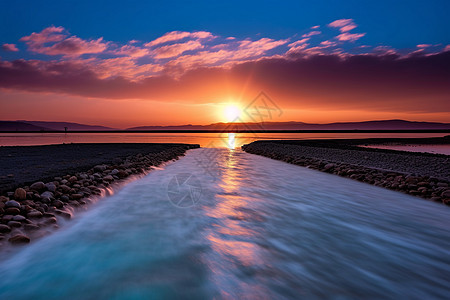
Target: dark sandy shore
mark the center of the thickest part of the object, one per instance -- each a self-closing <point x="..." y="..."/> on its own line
<point x="39" y="185"/>
<point x="421" y="174"/>
<point x="21" y="165"/>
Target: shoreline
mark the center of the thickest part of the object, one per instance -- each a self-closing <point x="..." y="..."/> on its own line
<point x="31" y="211"/>
<point x="425" y="175"/>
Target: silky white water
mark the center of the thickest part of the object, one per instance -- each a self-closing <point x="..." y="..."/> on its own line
<point x="242" y="226"/>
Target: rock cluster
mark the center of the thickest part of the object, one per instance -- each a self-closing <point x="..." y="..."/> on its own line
<point x="428" y="187"/>
<point x="30" y="208"/>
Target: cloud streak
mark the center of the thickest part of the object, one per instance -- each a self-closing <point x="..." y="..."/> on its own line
<point x="199" y="67"/>
<point x="362" y="81"/>
<point x="10" y="47"/>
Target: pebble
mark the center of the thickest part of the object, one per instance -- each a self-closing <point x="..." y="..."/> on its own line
<point x="31" y="227"/>
<point x="108" y="178"/>
<point x="12" y="203"/>
<point x="77" y="196"/>
<point x="19" y="239"/>
<point x="445" y="194"/>
<point x="63" y="213"/>
<point x="14" y="224"/>
<point x="20" y="194"/>
<point x="58" y="203"/>
<point x="73" y="179"/>
<point x="64" y="188"/>
<point x="12" y="211"/>
<point x="47" y="194"/>
<point x="4" y="228"/>
<point x="19" y="218"/>
<point x="51" y="187"/>
<point x="34" y="214"/>
<point x="38" y="186"/>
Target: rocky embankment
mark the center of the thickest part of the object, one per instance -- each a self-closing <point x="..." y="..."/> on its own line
<point x="426" y="176"/>
<point x="30" y="211"/>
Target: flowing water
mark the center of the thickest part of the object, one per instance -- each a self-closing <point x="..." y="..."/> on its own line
<point x="222" y="223"/>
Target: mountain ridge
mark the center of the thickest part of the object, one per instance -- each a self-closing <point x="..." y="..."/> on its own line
<point x="395" y="124"/>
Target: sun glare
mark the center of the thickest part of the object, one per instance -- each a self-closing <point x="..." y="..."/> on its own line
<point x="232" y="113"/>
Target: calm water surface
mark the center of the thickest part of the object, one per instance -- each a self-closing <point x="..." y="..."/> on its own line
<point x="226" y="224"/>
<point x="211" y="140"/>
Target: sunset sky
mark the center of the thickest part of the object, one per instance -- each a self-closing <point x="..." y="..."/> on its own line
<point x="124" y="64"/>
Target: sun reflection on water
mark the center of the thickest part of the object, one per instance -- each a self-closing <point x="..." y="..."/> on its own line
<point x="231" y="239"/>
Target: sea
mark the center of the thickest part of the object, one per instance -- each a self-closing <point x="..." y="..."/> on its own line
<point x="220" y="223"/>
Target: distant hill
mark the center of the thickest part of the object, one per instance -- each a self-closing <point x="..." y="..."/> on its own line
<point x="70" y="126"/>
<point x="23" y="125"/>
<point x="19" y="126"/>
<point x="367" y="125"/>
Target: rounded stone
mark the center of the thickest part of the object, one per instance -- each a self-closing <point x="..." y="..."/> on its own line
<point x="51" y="187"/>
<point x="58" y="203"/>
<point x="445" y="194"/>
<point x="31" y="227"/>
<point x="34" y="214"/>
<point x="14" y="224"/>
<point x="108" y="178"/>
<point x="73" y="179"/>
<point x="76" y="196"/>
<point x="19" y="218"/>
<point x="12" y="211"/>
<point x="19" y="239"/>
<point x="38" y="186"/>
<point x="4" y="228"/>
<point x="20" y="194"/>
<point x="12" y="203"/>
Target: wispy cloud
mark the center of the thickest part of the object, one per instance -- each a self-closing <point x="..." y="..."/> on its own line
<point x="52" y="41"/>
<point x="179" y="35"/>
<point x="350" y="37"/>
<point x="309" y="34"/>
<point x="129" y="50"/>
<point x="10" y="47"/>
<point x="343" y="25"/>
<point x="176" y="49"/>
<point x="82" y="64"/>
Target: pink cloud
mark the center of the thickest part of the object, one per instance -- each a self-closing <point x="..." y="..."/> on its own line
<point x="47" y="35"/>
<point x="328" y="43"/>
<point x="447" y="48"/>
<point x="350" y="37"/>
<point x="423" y="45"/>
<point x="259" y="47"/>
<point x="383" y="50"/>
<point x="74" y="46"/>
<point x="237" y="53"/>
<point x="315" y="27"/>
<point x="9" y="47"/>
<point x="297" y="48"/>
<point x="311" y="33"/>
<point x="125" y="67"/>
<point x="132" y="51"/>
<point x="176" y="49"/>
<point x="355" y="81"/>
<point x="344" y="25"/>
<point x="347" y="28"/>
<point x="178" y="35"/>
<point x="51" y="41"/>
<point x="299" y="42"/>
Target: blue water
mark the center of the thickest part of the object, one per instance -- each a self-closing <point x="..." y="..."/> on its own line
<point x="251" y="228"/>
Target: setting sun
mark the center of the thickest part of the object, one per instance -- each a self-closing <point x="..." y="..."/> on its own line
<point x="232" y="113"/>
